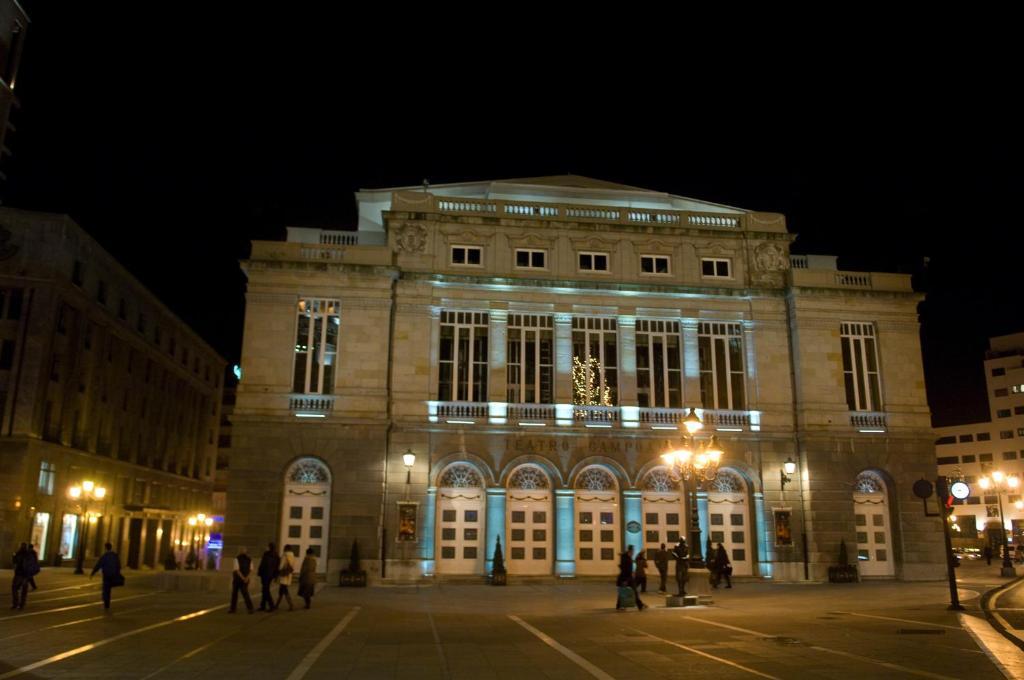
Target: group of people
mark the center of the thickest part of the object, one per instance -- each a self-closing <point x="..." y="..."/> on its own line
<point x="633" y="572"/>
<point x="273" y="568"/>
<point x="26" y="565"/>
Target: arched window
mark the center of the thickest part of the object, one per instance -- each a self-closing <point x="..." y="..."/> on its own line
<point x="461" y="476"/>
<point x="595" y="479"/>
<point x="659" y="480"/>
<point x="528" y="478"/>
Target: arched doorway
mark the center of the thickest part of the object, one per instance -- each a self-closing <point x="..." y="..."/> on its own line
<point x="871" y="516"/>
<point x="729" y="520"/>
<point x="664" y="516"/>
<point x="306" y="510"/>
<point x="460" y="529"/>
<point x="529" y="521"/>
<point x="597" y="525"/>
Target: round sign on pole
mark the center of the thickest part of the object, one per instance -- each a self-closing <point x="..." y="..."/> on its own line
<point x="960" y="490"/>
<point x="923" y="488"/>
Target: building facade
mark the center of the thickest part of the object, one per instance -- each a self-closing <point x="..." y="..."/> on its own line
<point x="447" y="327"/>
<point x="13" y="27"/>
<point x="976" y="450"/>
<point x="99" y="381"/>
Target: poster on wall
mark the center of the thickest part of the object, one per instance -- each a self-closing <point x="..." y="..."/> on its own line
<point x="407" y="521"/>
<point x="783" y="527"/>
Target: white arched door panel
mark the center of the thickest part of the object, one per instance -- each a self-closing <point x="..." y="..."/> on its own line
<point x="460" y="521"/>
<point x="306" y="510"/>
<point x="664" y="511"/>
<point x="530" y="548"/>
<point x="871" y="517"/>
<point x="729" y="521"/>
<point x="597" y="523"/>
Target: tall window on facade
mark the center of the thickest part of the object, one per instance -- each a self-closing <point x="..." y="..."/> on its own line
<point x="596" y="338"/>
<point x="463" y="357"/>
<point x="530" y="359"/>
<point x="658" y="364"/>
<point x="860" y="366"/>
<point x="721" y="365"/>
<point x="47" y="473"/>
<point x="316" y="346"/>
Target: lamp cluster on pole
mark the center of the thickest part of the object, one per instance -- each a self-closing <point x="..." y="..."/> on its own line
<point x="695" y="460"/>
<point x="1001" y="483"/>
<point x="82" y="493"/>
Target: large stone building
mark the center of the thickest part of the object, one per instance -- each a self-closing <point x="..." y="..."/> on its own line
<point x="13" y="27"/>
<point x="99" y="381"/>
<point x="976" y="450"/>
<point x="447" y="326"/>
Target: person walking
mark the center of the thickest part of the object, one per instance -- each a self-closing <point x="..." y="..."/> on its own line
<point x="267" y="571"/>
<point x="723" y="567"/>
<point x="307" y="577"/>
<point x="626" y="580"/>
<point x="661" y="562"/>
<point x="987" y="554"/>
<point x="240" y="580"/>
<point x="284" y="579"/>
<point x="681" y="554"/>
<point x="640" y="574"/>
<point x="110" y="565"/>
<point x="35" y="557"/>
<point x="19" y="583"/>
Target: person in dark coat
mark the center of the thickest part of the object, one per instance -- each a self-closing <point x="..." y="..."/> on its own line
<point x="626" y="580"/>
<point x="987" y="554"/>
<point x="35" y="556"/>
<point x="640" y="573"/>
<point x="240" y="580"/>
<point x="681" y="554"/>
<point x="19" y="584"/>
<point x="723" y="567"/>
<point x="269" y="564"/>
<point x="661" y="562"/>
<point x="110" y="565"/>
<point x="307" y="577"/>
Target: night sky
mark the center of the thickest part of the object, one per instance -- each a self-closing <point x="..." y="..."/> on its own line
<point x="176" y="140"/>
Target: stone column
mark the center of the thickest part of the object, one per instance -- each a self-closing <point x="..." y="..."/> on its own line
<point x="495" y="526"/>
<point x="760" y="539"/>
<point x="427" y="531"/>
<point x="691" y="364"/>
<point x="705" y="528"/>
<point x="632" y="511"/>
<point x="563" y="358"/>
<point x="497" y="345"/>
<point x="565" y="532"/>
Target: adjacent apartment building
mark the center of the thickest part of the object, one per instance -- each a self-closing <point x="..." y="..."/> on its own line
<point x="101" y="383"/>
<point x="409" y="385"/>
<point x="977" y="450"/>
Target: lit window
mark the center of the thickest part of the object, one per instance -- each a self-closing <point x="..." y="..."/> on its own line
<point x="47" y="474"/>
<point x="467" y="256"/>
<point x="654" y="264"/>
<point x="593" y="262"/>
<point x="316" y="346"/>
<point x="1006" y="434"/>
<point x="597" y="338"/>
<point x="658" y="364"/>
<point x="720" y="347"/>
<point x="530" y="259"/>
<point x="462" y="374"/>
<point x="860" y="366"/>
<point x="716" y="268"/>
<point x="1003" y="413"/>
<point x="530" y="359"/>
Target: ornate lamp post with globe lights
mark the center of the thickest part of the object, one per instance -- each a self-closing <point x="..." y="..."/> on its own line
<point x="83" y="492"/>
<point x="695" y="460"/>
<point x="1001" y="483"/>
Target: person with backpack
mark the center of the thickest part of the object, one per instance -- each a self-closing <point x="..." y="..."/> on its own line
<point x="284" y="579"/>
<point x="110" y="565"/>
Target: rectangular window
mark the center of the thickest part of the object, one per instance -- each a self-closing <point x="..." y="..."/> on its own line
<point x="948" y="460"/>
<point x="722" y="384"/>
<point x="984" y="437"/>
<point x="968" y="459"/>
<point x="47" y="475"/>
<point x="466" y="256"/>
<point x="1009" y="455"/>
<point x="860" y="366"/>
<point x="984" y="457"/>
<point x="69" y="536"/>
<point x="316" y="346"/>
<point x="530" y="359"/>
<point x="1018" y="410"/>
<point x="658" y="364"/>
<point x="1006" y="434"/>
<point x="715" y="268"/>
<point x="966" y="438"/>
<point x="950" y="439"/>
<point x="78" y="273"/>
<point x="998" y="371"/>
<point x="1003" y="413"/>
<point x="462" y="374"/>
<point x="527" y="258"/>
<point x="593" y="262"/>
<point x="597" y="338"/>
<point x="655" y="264"/>
<point x="1002" y="392"/>
<point x="6" y="355"/>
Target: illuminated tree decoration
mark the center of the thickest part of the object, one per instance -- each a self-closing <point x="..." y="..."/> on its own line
<point x="587" y="390"/>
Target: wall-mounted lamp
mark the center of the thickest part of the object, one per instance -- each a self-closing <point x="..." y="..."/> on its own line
<point x="785" y="474"/>
<point x="408" y="459"/>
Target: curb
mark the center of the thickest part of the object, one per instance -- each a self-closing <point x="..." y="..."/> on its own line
<point x="990" y="617"/>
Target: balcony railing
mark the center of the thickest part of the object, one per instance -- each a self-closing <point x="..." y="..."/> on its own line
<point x="317" y="405"/>
<point x="462" y="410"/>
<point x="570" y="414"/>
<point x="531" y="412"/>
<point x="868" y="420"/>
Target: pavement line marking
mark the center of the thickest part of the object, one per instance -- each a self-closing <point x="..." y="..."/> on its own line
<point x="18" y="617"/>
<point x="1006" y="656"/>
<point x="565" y="651"/>
<point x="440" y="650"/>
<point x="884" y="664"/>
<point x="69" y="623"/>
<point x="314" y="654"/>
<point x="65" y="597"/>
<point x="890" y="618"/>
<point x="188" y="655"/>
<point x="709" y="656"/>
<point x="54" y="590"/>
<point x="106" y="641"/>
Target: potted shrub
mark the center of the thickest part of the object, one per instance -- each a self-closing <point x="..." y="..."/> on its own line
<point x="353" y="576"/>
<point x="844" y="572"/>
<point x="498" y="574"/>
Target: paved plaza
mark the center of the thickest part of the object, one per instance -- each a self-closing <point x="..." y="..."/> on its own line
<point x="570" y="630"/>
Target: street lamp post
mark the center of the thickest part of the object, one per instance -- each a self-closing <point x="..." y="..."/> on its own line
<point x="697" y="460"/>
<point x="1002" y="483"/>
<point x="82" y="493"/>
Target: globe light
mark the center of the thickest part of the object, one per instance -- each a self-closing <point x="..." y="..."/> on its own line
<point x="1019" y="505"/>
<point x="192" y="521"/>
<point x="997" y="476"/>
<point x="75" y="492"/>
<point x="692" y="423"/>
<point x="984" y="482"/>
<point x="1013" y="482"/>
<point x="208" y="521"/>
<point x="201" y="517"/>
<point x="88" y="485"/>
<point x="99" y="493"/>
